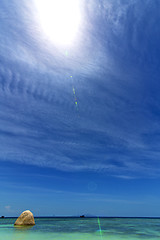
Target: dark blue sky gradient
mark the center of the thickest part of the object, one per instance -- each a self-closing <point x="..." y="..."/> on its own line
<point x="101" y="156"/>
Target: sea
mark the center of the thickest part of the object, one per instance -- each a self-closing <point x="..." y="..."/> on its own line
<point x="71" y="228"/>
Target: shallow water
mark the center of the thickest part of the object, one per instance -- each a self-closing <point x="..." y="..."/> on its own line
<point x="86" y="228"/>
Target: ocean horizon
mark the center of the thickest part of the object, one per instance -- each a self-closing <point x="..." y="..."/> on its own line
<point x="86" y="216"/>
<point x="65" y="228"/>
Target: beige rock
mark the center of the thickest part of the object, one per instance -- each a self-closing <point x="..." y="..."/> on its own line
<point x="26" y="218"/>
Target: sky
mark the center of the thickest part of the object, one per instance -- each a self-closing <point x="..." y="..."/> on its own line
<point x="80" y="120"/>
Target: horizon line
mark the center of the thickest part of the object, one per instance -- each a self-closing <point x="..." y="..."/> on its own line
<point x="86" y="216"/>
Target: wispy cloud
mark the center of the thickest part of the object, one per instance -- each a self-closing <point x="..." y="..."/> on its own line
<point x="114" y="129"/>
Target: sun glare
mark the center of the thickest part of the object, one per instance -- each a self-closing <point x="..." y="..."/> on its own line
<point x="59" y="19"/>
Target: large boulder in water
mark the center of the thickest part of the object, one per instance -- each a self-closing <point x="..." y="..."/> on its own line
<point x="26" y="218"/>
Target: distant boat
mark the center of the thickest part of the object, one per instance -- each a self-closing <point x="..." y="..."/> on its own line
<point x="82" y="216"/>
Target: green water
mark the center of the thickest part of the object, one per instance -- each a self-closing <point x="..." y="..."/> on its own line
<point x="86" y="228"/>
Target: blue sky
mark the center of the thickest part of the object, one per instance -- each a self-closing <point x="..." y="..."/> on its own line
<point x="80" y="125"/>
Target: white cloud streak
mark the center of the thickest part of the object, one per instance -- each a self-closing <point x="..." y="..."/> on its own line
<point x="111" y="129"/>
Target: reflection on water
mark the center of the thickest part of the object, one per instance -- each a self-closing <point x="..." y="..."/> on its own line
<point x="21" y="233"/>
<point x="22" y="228"/>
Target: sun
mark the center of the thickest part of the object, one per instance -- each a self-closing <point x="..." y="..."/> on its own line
<point x="59" y="19"/>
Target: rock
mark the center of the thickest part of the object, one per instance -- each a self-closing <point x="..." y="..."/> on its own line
<point x="2" y="217"/>
<point x="26" y="218"/>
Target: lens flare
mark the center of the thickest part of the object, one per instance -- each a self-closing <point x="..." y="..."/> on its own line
<point x="100" y="230"/>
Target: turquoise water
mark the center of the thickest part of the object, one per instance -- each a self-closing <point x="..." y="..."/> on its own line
<point x="82" y="228"/>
